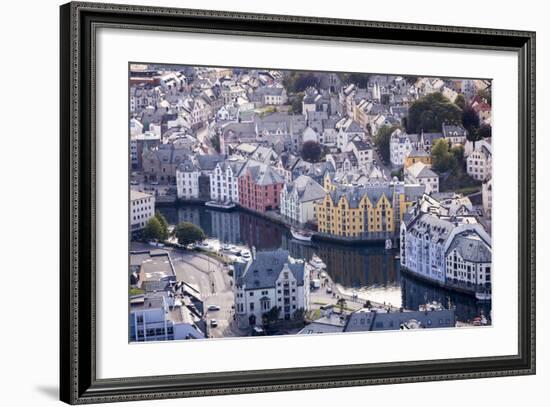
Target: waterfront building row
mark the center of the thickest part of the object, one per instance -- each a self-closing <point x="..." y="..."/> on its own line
<point x="451" y="249"/>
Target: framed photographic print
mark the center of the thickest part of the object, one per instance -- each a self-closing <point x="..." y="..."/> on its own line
<point x="257" y="203"/>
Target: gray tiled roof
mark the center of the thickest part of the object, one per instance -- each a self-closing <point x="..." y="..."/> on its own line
<point x="264" y="269"/>
<point x="361" y="145"/>
<point x="208" y="162"/>
<point x="438" y="229"/>
<point x="471" y="247"/>
<point x="263" y="174"/>
<point x="450" y="130"/>
<point x="355" y="194"/>
<point x="307" y="189"/>
<point x="418" y="152"/>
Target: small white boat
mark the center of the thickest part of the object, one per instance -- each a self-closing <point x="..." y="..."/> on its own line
<point x="317" y="263"/>
<point x="234" y="250"/>
<point x="483" y="295"/>
<point x="300" y="234"/>
<point x="220" y="205"/>
<point x="389" y="244"/>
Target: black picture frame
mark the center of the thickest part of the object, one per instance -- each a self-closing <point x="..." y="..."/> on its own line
<point x="78" y="381"/>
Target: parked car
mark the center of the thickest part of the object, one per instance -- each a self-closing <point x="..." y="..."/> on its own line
<point x="257" y="331"/>
<point x="213" y="308"/>
<point x="213" y="323"/>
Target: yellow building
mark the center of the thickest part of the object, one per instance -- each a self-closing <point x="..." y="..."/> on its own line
<point x="417" y="156"/>
<point x="371" y="211"/>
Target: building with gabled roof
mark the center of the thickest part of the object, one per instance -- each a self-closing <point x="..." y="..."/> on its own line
<point x="271" y="281"/>
<point x="260" y="186"/>
<point x="420" y="173"/>
<point x="298" y="199"/>
<point x="442" y="248"/>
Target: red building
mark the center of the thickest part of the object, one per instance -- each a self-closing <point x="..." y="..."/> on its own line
<point x="259" y="187"/>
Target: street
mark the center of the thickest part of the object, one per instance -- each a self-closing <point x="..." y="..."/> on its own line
<point x="212" y="280"/>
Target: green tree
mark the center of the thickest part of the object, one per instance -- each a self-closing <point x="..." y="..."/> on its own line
<point x="271" y="316"/>
<point x="163" y="223"/>
<point x="430" y="112"/>
<point x="311" y="151"/>
<point x="359" y="79"/>
<point x="300" y="81"/>
<point x="442" y="158"/>
<point x="382" y="141"/>
<point x="470" y="121"/>
<point x="215" y="140"/>
<point x="187" y="233"/>
<point x="341" y="304"/>
<point x="299" y="315"/>
<point x="296" y="104"/>
<point x="485" y="131"/>
<point x="485" y="94"/>
<point x="153" y="230"/>
<point x="458" y="153"/>
<point x="460" y="101"/>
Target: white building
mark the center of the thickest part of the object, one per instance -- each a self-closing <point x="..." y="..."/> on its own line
<point x="428" y="239"/>
<point x="270" y="281"/>
<point x="362" y="150"/>
<point x="224" y="181"/>
<point x="187" y="179"/>
<point x="274" y="96"/>
<point x="298" y="199"/>
<point x="479" y="163"/>
<point x="155" y="317"/>
<point x="420" y="173"/>
<point x="348" y="130"/>
<point x="401" y="144"/>
<point x="136" y="127"/>
<point x="468" y="260"/>
<point x="487" y="197"/>
<point x="142" y="208"/>
<point x="455" y="134"/>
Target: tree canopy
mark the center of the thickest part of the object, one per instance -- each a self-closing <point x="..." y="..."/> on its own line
<point x="485" y="131"/>
<point x="460" y="101"/>
<point x="382" y="141"/>
<point x="163" y="223"/>
<point x="300" y="81"/>
<point x="153" y="230"/>
<point x="430" y="112"/>
<point x="470" y="121"/>
<point x="359" y="79"/>
<point x="187" y="233"/>
<point x="443" y="159"/>
<point x="311" y="151"/>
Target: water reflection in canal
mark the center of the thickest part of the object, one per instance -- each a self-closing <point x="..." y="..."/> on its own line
<point x="370" y="270"/>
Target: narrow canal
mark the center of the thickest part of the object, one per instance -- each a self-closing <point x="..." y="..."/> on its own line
<point x="370" y="270"/>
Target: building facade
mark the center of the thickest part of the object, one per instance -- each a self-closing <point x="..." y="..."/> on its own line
<point x="479" y="163"/>
<point x="142" y="208"/>
<point x="401" y="144"/>
<point x="260" y="187"/>
<point x="270" y="281"/>
<point x="420" y="173"/>
<point x="224" y="181"/>
<point x="299" y="198"/>
<point x="487" y="197"/>
<point x="365" y="212"/>
<point x="187" y="180"/>
<point x="442" y="248"/>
